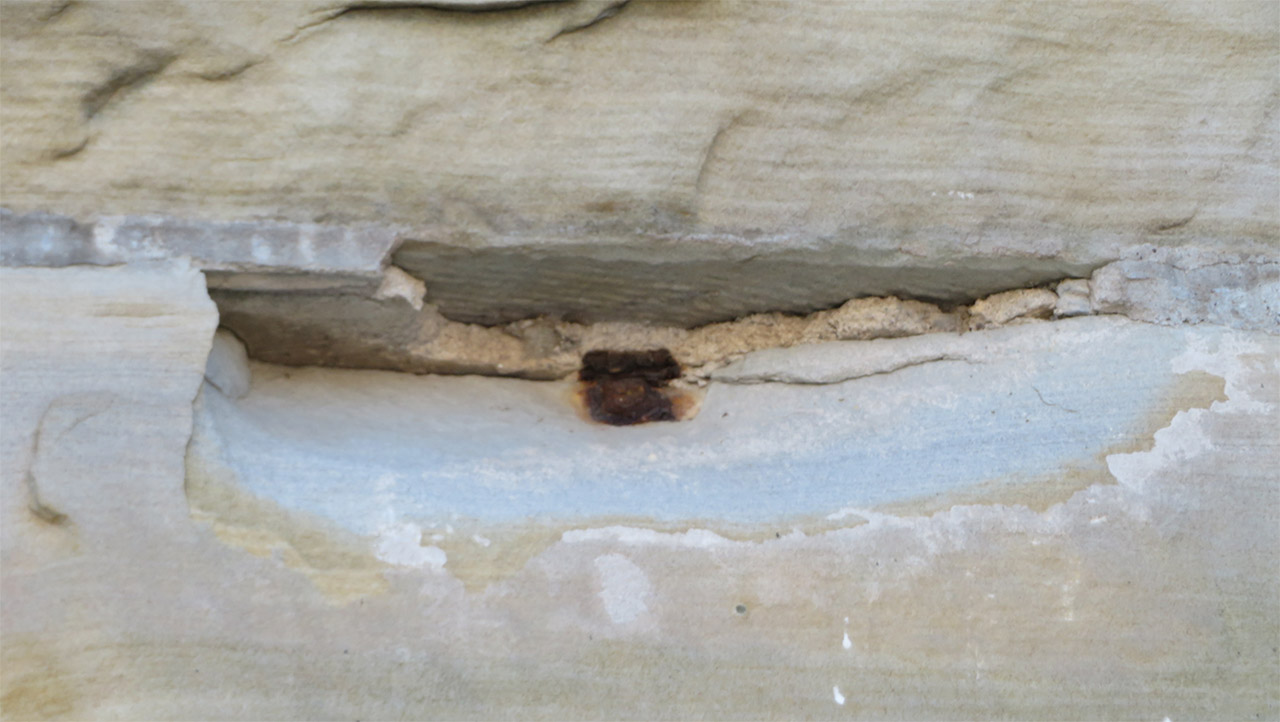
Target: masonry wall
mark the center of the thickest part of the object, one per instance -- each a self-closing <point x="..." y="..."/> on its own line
<point x="976" y="308"/>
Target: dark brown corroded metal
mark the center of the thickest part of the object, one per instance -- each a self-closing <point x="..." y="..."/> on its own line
<point x="623" y="388"/>
<point x="657" y="366"/>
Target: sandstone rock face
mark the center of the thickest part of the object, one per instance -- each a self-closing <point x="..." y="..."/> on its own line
<point x="830" y="122"/>
<point x="677" y="162"/>
<point x="976" y="310"/>
<point x="349" y="543"/>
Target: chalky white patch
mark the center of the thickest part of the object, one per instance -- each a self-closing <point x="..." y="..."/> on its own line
<point x="1185" y="437"/>
<point x="398" y="284"/>
<point x="401" y="545"/>
<point x="624" y="588"/>
<point x="696" y="538"/>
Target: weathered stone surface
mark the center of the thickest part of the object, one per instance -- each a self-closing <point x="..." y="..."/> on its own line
<point x="227" y="369"/>
<point x="697" y="281"/>
<point x="316" y="329"/>
<point x="301" y="575"/>
<point x="827" y="121"/>
<point x="1073" y="298"/>
<point x="800" y="157"/>
<point x="246" y="249"/>
<point x="100" y="367"/>
<point x="810" y="428"/>
<point x="876" y="512"/>
<point x="1192" y="286"/>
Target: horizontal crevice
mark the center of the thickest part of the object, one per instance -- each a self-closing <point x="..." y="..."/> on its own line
<point x="348" y="330"/>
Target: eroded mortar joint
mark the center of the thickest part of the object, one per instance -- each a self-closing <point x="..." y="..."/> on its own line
<point x="547" y="349"/>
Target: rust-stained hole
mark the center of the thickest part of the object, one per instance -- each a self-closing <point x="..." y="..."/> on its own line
<point x="623" y="388"/>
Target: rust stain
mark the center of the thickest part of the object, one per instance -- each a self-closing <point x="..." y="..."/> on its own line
<point x="340" y="564"/>
<point x="624" y="388"/>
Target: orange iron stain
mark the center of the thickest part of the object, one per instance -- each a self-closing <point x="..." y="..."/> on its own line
<point x="623" y="388"/>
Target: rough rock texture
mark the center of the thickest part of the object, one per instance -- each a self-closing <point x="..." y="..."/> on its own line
<point x="536" y="162"/>
<point x="228" y="366"/>
<point x="1120" y="573"/>
<point x="1001" y="308"/>
<point x="808" y="429"/>
<point x="323" y="330"/>
<point x="100" y="369"/>
<point x="979" y="302"/>
<point x="1192" y="286"/>
<point x="1073" y="298"/>
<point x="831" y="120"/>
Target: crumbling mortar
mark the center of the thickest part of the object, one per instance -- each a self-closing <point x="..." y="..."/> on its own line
<point x="548" y="349"/>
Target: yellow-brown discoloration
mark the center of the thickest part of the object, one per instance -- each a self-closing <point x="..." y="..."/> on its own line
<point x="339" y="563"/>
<point x="973" y="612"/>
<point x="36" y="684"/>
